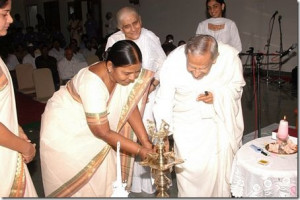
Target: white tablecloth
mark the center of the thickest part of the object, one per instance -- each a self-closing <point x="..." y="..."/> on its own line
<point x="251" y="179"/>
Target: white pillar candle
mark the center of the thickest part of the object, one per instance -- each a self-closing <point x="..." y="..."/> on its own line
<point x="283" y="129"/>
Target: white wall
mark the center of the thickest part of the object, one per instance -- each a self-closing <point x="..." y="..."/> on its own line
<point x="181" y="18"/>
<point x="253" y="18"/>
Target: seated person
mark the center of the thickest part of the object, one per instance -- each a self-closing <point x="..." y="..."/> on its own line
<point x="88" y="49"/>
<point x="31" y="55"/>
<point x="68" y="66"/>
<point x="56" y="51"/>
<point x="47" y="61"/>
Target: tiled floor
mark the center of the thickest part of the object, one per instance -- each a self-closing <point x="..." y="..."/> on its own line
<point x="275" y="103"/>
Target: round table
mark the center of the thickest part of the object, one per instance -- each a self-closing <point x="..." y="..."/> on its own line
<point x="250" y="178"/>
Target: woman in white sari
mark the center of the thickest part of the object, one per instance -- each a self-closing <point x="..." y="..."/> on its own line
<point x="15" y="148"/>
<point x="82" y="121"/>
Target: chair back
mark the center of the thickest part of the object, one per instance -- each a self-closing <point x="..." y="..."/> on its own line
<point x="44" y="84"/>
<point x="24" y="78"/>
<point x="91" y="59"/>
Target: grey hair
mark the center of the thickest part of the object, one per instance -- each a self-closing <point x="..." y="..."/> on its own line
<point x="201" y="44"/>
<point x="125" y="10"/>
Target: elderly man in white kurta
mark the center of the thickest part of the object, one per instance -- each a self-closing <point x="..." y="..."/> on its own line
<point x="130" y="25"/>
<point x="201" y="85"/>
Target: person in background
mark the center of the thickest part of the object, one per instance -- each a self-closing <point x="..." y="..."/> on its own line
<point x="221" y="28"/>
<point x="41" y="25"/>
<point x="77" y="51"/>
<point x="181" y="42"/>
<point x="200" y="98"/>
<point x="31" y="55"/>
<point x="47" y="61"/>
<point x="130" y="24"/>
<point x="31" y="36"/>
<point x="68" y="66"/>
<point x="12" y="61"/>
<point x="88" y="49"/>
<point x="14" y="58"/>
<point x="91" y="26"/>
<point x="16" y="150"/>
<point x="56" y="51"/>
<point x="18" y="23"/>
<point x="17" y="36"/>
<point x="168" y="45"/>
<point x="75" y="28"/>
<point x="110" y="24"/>
<point x="20" y="52"/>
<point x="56" y="34"/>
<point x="82" y="122"/>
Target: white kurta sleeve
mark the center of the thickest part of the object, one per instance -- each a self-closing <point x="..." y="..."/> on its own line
<point x="227" y="98"/>
<point x="158" y="57"/>
<point x="153" y="54"/>
<point x="114" y="38"/>
<point x="235" y="37"/>
<point x="109" y="43"/>
<point x="200" y="28"/>
<point x="159" y="63"/>
<point x="164" y="101"/>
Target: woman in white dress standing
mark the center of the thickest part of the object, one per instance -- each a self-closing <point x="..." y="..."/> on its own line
<point x="221" y="28"/>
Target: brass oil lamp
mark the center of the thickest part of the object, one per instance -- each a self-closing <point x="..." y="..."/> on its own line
<point x="161" y="162"/>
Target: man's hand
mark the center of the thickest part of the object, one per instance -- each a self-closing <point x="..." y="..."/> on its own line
<point x="207" y="97"/>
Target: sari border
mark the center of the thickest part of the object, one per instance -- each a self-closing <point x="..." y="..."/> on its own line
<point x="3" y="80"/>
<point x="96" y="118"/>
<point x="81" y="178"/>
<point x="70" y="87"/>
<point x="139" y="91"/>
<point x="19" y="184"/>
<point x="135" y="95"/>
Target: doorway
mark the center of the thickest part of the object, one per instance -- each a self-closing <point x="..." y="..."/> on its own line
<point x="51" y="13"/>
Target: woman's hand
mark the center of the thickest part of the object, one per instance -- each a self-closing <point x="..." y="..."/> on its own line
<point x="152" y="88"/>
<point x="29" y="154"/>
<point x="153" y="85"/>
<point x="23" y="135"/>
<point x="147" y="144"/>
<point x="144" y="151"/>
